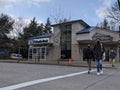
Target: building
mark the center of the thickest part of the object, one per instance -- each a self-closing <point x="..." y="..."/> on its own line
<point x="70" y="40"/>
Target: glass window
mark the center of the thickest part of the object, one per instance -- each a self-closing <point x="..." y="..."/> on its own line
<point x="68" y="27"/>
<point x="68" y="45"/>
<point x="63" y="46"/>
<point x="34" y="50"/>
<point x="68" y="37"/>
<point x="43" y="50"/>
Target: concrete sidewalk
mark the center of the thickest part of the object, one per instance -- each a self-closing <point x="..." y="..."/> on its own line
<point x="66" y="63"/>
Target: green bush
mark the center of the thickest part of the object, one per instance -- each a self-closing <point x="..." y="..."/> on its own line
<point x="4" y="57"/>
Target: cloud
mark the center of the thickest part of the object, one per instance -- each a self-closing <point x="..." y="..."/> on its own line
<point x="7" y="4"/>
<point x="100" y="12"/>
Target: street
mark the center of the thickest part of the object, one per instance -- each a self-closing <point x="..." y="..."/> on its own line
<point x="16" y="76"/>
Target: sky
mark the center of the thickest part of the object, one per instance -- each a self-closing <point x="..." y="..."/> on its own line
<point x="90" y="11"/>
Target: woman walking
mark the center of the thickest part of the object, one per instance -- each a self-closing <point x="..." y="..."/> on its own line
<point x="89" y="56"/>
<point x="112" y="57"/>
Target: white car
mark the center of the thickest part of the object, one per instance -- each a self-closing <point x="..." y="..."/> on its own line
<point x="14" y="55"/>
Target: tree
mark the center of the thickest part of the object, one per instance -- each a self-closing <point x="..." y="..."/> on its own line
<point x="18" y="26"/>
<point x="114" y="12"/>
<point x="40" y="29"/>
<point x="6" y="23"/>
<point x="61" y="35"/>
<point x="48" y="26"/>
<point x="33" y="29"/>
<point x="105" y="24"/>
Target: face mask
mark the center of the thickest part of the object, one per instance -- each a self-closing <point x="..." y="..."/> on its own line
<point x="98" y="41"/>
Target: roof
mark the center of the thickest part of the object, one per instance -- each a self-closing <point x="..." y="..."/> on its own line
<point x="69" y="22"/>
<point x="86" y="30"/>
<point x="89" y="29"/>
<point x="42" y="36"/>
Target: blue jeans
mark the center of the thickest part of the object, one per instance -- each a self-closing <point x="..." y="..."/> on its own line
<point x="99" y="65"/>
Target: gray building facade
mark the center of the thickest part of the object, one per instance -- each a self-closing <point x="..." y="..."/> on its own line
<point x="69" y="41"/>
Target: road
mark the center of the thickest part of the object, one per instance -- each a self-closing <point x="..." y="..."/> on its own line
<point x="16" y="76"/>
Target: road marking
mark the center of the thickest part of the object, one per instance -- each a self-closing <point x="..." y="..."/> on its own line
<point x="25" y="84"/>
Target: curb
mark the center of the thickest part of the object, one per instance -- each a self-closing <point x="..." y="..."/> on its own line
<point x="61" y="64"/>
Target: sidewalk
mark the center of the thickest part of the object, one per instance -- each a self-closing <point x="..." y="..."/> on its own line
<point x="73" y="63"/>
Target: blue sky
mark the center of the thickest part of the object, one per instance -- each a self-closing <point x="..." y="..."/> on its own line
<point x="91" y="11"/>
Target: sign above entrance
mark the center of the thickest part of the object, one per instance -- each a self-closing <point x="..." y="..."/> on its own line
<point x="102" y="37"/>
<point x="38" y="41"/>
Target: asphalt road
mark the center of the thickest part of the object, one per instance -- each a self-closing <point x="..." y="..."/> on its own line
<point x="15" y="76"/>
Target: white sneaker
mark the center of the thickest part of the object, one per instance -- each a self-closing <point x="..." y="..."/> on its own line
<point x="101" y="72"/>
<point x="98" y="73"/>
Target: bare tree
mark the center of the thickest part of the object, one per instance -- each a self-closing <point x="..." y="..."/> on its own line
<point x="58" y="16"/>
<point x="60" y="19"/>
<point x="18" y="26"/>
<point x="114" y="12"/>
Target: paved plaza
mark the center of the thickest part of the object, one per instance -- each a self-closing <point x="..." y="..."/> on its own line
<point x="19" y="76"/>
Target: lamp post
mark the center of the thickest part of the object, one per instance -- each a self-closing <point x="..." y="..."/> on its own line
<point x="118" y="1"/>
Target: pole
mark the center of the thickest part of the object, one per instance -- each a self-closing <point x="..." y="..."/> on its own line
<point x="118" y="1"/>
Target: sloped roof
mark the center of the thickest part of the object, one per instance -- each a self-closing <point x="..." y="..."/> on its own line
<point x="86" y="30"/>
<point x="42" y="36"/>
<point x="89" y="29"/>
<point x="69" y="22"/>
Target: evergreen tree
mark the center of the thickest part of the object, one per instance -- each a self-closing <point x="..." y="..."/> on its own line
<point x="33" y="29"/>
<point x="40" y="29"/>
<point x="105" y="24"/>
<point x="6" y="23"/>
<point x="48" y="26"/>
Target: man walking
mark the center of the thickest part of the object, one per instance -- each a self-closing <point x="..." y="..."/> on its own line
<point x="98" y="52"/>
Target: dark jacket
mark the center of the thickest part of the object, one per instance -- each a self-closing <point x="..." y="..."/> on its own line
<point x="98" y="51"/>
<point x="89" y="53"/>
<point x="112" y="54"/>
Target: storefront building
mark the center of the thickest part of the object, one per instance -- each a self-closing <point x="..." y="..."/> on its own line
<point x="70" y="40"/>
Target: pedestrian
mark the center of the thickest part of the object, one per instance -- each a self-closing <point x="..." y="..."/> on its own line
<point x="98" y="53"/>
<point x="112" y="57"/>
<point x="89" y="56"/>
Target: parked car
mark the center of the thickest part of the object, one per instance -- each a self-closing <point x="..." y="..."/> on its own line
<point x="16" y="56"/>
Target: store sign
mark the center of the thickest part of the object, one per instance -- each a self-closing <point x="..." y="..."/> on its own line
<point x="38" y="41"/>
<point x="102" y="37"/>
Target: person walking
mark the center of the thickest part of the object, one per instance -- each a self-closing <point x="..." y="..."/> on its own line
<point x="89" y="56"/>
<point x="98" y="53"/>
<point x="112" y="57"/>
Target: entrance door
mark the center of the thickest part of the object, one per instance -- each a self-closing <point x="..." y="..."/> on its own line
<point x="37" y="53"/>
